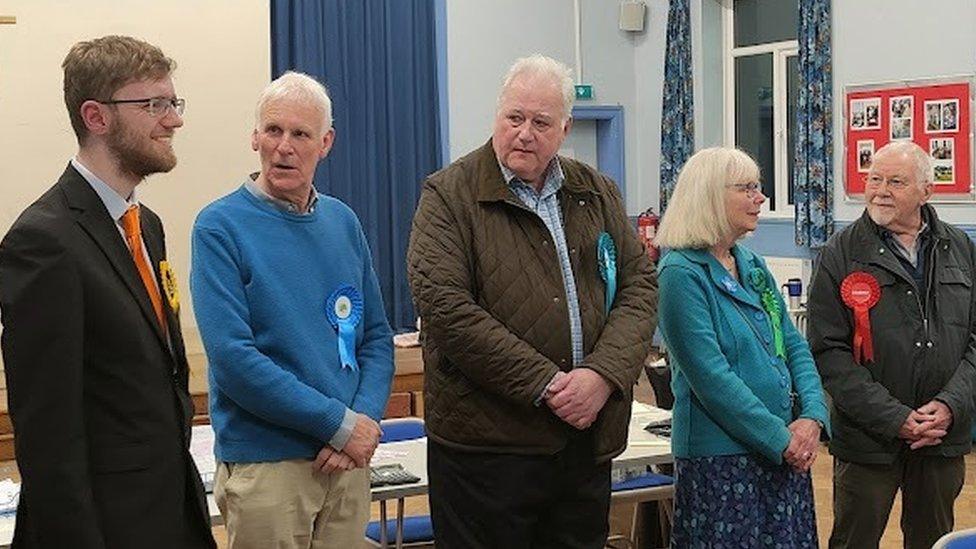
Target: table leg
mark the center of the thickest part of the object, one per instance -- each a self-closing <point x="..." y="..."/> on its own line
<point x="399" y="523"/>
<point x="383" y="540"/>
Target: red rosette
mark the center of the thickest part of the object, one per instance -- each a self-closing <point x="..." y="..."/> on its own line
<point x="861" y="291"/>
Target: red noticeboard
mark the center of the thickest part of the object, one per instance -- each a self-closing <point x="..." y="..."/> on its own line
<point x="937" y="117"/>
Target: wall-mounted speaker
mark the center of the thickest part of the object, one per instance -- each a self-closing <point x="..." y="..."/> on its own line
<point x="632" y="16"/>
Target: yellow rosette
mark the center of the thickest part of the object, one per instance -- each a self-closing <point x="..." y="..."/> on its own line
<point x="169" y="286"/>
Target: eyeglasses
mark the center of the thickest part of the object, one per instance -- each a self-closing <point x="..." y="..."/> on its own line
<point x="155" y="106"/>
<point x="751" y="188"/>
<point x="894" y="182"/>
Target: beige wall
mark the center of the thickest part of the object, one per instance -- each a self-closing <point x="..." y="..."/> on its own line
<point x="222" y="48"/>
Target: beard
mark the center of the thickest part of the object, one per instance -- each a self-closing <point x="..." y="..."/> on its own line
<point x="136" y="155"/>
<point x="881" y="216"/>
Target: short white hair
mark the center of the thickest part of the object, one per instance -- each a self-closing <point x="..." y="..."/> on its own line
<point x="298" y="87"/>
<point x="547" y="67"/>
<point x="696" y="216"/>
<point x="922" y="160"/>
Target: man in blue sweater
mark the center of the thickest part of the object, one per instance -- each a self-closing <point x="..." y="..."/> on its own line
<point x="300" y="351"/>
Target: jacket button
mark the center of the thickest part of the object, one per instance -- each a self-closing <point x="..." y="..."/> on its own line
<point x="582" y="203"/>
<point x="909" y="292"/>
<point x="881" y="250"/>
<point x="545" y="242"/>
<point x="773" y="360"/>
<point x="918" y="343"/>
<point x="759" y="316"/>
<point x="555" y="300"/>
<point x="562" y="361"/>
<point x="928" y="344"/>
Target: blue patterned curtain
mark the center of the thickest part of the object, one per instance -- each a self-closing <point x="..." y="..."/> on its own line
<point x="678" y="115"/>
<point x="378" y="59"/>
<point x="813" y="171"/>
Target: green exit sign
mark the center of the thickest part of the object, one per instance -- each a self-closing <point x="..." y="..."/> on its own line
<point x="584" y="91"/>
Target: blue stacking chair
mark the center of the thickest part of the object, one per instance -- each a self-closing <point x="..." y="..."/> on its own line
<point x="963" y="539"/>
<point x="644" y="488"/>
<point x="417" y="530"/>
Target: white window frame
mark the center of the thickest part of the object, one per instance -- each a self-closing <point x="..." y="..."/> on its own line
<point x="780" y="51"/>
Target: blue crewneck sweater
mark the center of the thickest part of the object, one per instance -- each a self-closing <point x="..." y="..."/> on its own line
<point x="260" y="281"/>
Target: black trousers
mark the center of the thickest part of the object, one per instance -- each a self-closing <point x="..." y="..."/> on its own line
<point x="863" y="494"/>
<point x="506" y="501"/>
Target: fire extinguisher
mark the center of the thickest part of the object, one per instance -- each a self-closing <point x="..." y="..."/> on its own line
<point x="647" y="223"/>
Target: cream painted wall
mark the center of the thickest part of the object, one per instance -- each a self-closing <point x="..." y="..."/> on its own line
<point x="222" y="48"/>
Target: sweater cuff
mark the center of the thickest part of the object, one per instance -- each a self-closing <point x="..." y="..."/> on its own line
<point x="344" y="433"/>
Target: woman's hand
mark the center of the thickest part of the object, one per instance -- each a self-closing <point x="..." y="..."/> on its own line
<point x="802" y="449"/>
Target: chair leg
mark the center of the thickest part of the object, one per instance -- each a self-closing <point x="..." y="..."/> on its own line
<point x="634" y="532"/>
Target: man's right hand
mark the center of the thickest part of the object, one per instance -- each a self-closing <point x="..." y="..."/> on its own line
<point x="363" y="441"/>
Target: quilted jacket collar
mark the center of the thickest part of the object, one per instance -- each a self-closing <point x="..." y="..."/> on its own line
<point x="492" y="186"/>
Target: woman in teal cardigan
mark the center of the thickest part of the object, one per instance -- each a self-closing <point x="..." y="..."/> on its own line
<point x="749" y="408"/>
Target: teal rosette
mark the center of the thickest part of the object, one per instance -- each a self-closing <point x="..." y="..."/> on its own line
<point x="345" y="309"/>
<point x="606" y="256"/>
<point x="759" y="281"/>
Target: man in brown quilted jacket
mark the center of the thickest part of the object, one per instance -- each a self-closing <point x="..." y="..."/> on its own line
<point x="530" y="354"/>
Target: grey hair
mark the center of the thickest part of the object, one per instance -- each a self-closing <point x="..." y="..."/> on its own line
<point x="696" y="216"/>
<point x="540" y="65"/>
<point x="299" y="87"/>
<point x="923" y="162"/>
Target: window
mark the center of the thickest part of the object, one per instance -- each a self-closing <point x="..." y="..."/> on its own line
<point x="761" y="79"/>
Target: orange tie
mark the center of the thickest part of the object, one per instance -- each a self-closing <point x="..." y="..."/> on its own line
<point x="133" y="236"/>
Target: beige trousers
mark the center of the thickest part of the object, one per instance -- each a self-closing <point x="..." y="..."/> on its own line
<point x="287" y="505"/>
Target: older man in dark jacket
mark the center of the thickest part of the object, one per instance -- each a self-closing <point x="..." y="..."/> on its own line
<point x="530" y="355"/>
<point x="892" y="310"/>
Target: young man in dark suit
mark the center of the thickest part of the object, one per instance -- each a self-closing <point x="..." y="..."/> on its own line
<point x="95" y="365"/>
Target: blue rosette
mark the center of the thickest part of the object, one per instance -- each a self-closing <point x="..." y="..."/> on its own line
<point x="606" y="256"/>
<point x="345" y="310"/>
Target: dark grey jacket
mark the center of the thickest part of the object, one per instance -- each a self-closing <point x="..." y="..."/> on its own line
<point x="924" y="347"/>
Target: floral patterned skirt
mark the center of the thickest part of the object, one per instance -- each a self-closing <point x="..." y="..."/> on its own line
<point x="741" y="501"/>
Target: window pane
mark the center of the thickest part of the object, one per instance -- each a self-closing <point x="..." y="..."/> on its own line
<point x="762" y="21"/>
<point x="792" y="89"/>
<point x="754" y="115"/>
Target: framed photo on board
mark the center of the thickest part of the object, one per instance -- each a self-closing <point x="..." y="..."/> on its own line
<point x="936" y="113"/>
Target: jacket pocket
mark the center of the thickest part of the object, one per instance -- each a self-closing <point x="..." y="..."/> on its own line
<point x="119" y="459"/>
<point x="956" y="275"/>
<point x="954" y="295"/>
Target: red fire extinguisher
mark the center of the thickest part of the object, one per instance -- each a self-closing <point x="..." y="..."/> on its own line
<point x="647" y="223"/>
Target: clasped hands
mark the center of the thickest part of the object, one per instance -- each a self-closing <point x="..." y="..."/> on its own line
<point x="801" y="452"/>
<point x="356" y="453"/>
<point x="927" y="425"/>
<point x="578" y="396"/>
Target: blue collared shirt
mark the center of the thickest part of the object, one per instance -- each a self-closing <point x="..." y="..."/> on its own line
<point x="250" y="183"/>
<point x="546" y="205"/>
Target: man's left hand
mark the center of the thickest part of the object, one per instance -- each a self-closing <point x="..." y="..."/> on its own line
<point x="578" y="397"/>
<point x="941" y="417"/>
<point x="934" y="427"/>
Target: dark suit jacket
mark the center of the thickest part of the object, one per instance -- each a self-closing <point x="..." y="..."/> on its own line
<point x="98" y="396"/>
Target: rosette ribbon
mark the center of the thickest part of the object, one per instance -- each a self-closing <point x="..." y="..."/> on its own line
<point x="861" y="291"/>
<point x="345" y="309"/>
<point x="606" y="256"/>
<point x="767" y="296"/>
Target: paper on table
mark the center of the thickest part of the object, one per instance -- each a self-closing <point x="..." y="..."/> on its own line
<point x="202" y="450"/>
<point x="9" y="496"/>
